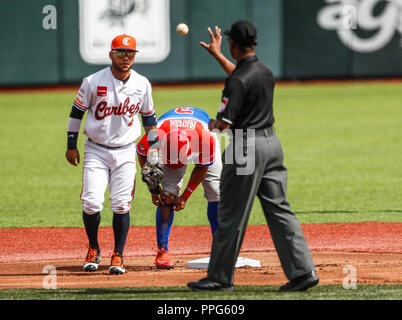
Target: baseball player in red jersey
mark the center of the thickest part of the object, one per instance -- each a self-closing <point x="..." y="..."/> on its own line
<point x="183" y="137"/>
<point x="113" y="97"/>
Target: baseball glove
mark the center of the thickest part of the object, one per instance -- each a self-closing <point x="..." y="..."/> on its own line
<point x="152" y="172"/>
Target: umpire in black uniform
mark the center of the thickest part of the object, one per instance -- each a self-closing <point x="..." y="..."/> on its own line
<point x="247" y="104"/>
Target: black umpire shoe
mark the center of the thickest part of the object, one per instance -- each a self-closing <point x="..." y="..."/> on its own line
<point x="301" y="283"/>
<point x="205" y="284"/>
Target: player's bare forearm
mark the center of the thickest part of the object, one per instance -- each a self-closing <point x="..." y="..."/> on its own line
<point x="218" y="125"/>
<point x="198" y="174"/>
<point x="227" y="65"/>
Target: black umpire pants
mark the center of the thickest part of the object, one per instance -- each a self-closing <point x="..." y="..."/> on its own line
<point x="268" y="182"/>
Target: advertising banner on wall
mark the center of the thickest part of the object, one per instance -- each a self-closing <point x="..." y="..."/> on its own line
<point x="146" y="20"/>
<point x="343" y="38"/>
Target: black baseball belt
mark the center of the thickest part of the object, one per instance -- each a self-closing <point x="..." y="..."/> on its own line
<point x="107" y="147"/>
<point x="267" y="132"/>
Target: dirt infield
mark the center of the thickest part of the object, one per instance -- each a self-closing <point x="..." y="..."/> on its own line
<point x="374" y="249"/>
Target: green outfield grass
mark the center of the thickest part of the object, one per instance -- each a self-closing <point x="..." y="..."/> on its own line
<point x="342" y="145"/>
<point x="322" y="292"/>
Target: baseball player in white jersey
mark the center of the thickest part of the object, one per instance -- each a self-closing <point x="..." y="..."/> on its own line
<point x="113" y="97"/>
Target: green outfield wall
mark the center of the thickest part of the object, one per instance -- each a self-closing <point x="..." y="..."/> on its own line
<point x="62" y="41"/>
<point x="334" y="39"/>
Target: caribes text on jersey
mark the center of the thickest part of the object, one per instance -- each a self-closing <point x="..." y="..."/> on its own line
<point x="103" y="110"/>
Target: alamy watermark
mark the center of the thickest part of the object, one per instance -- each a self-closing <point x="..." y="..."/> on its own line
<point x="240" y="150"/>
<point x="350" y="280"/>
<point x="381" y="19"/>
<point x="202" y="147"/>
<point x="50" y="280"/>
<point x="349" y="17"/>
<point x="49" y="21"/>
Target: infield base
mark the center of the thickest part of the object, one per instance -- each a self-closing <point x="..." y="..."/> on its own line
<point x="241" y="262"/>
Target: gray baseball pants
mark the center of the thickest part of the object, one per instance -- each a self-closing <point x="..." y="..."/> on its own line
<point x="268" y="182"/>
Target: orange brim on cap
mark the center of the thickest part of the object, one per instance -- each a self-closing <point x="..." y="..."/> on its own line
<point x="124" y="42"/>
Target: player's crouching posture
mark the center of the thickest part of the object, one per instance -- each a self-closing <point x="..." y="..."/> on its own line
<point x="183" y="137"/>
<point x="113" y="97"/>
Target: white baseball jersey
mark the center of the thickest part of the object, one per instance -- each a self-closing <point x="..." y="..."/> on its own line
<point x="113" y="107"/>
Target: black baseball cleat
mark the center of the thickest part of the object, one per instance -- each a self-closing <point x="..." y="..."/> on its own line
<point x="302" y="283"/>
<point x="208" y="285"/>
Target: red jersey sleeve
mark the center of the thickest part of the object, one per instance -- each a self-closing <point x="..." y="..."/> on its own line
<point x="142" y="146"/>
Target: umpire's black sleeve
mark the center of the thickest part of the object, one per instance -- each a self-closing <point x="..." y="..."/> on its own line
<point x="232" y="100"/>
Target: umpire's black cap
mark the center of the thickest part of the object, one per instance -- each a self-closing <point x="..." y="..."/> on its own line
<point x="243" y="32"/>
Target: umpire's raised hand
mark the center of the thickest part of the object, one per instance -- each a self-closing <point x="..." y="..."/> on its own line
<point x="214" y="48"/>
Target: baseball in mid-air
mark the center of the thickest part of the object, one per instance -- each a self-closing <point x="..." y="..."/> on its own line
<point x="182" y="29"/>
